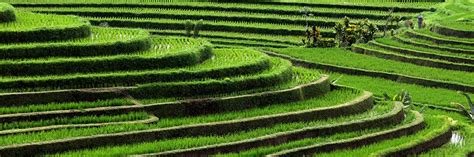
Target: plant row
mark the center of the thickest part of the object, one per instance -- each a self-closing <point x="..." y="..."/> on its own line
<point x="349" y="59"/>
<point x="182" y="107"/>
<point x="320" y="18"/>
<point x="221" y="26"/>
<point x="140" y="41"/>
<point x="393" y="45"/>
<point x="383" y="115"/>
<point x="399" y="77"/>
<point x="236" y="7"/>
<point x="437" y="128"/>
<point x="386" y="54"/>
<point x="178" y="55"/>
<point x="212" y="69"/>
<point x="429" y="44"/>
<point x="31" y="27"/>
<point x="202" y="129"/>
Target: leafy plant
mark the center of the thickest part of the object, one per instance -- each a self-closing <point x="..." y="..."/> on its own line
<point x="465" y="111"/>
<point x="403" y="97"/>
<point x="348" y="33"/>
<point x="188" y="26"/>
<point x="313" y="37"/>
<point x="198" y="27"/>
<point x="409" y="24"/>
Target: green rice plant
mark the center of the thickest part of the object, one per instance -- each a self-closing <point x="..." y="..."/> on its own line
<point x="191" y="142"/>
<point x="346" y="58"/>
<point x="75" y="120"/>
<point x="337" y="11"/>
<point x="261" y="151"/>
<point x="222" y="26"/>
<point x="378" y="5"/>
<point x="462" y="21"/>
<point x="330" y="99"/>
<point x="300" y="76"/>
<point x="63" y="106"/>
<point x="103" y="41"/>
<point x="378" y="86"/>
<point x="438" y="38"/>
<point x="247" y="43"/>
<point x="226" y="63"/>
<point x="30" y="27"/>
<point x="280" y="39"/>
<point x="279" y="72"/>
<point x="464" y="132"/>
<point x="7" y="13"/>
<point x="381" y="52"/>
<point x="164" y="54"/>
<point x="324" y="19"/>
<point x="394" y="43"/>
<point x="435" y="126"/>
<point x="448" y="47"/>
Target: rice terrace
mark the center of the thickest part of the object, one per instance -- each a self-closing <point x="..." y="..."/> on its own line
<point x="331" y="78"/>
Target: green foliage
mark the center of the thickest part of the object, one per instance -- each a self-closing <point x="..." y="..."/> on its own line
<point x="314" y="39"/>
<point x="279" y="72"/>
<point x="63" y="106"/>
<point x="332" y="98"/>
<point x="197" y="28"/>
<point x="7" y="13"/>
<point x="466" y="111"/>
<point x="31" y="27"/>
<point x="434" y="127"/>
<point x="348" y="33"/>
<point x="403" y="97"/>
<point x="75" y="120"/>
<point x="188" y="26"/>
<point x="346" y="58"/>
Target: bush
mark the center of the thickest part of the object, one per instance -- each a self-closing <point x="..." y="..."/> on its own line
<point x="348" y="33"/>
<point x="198" y="28"/>
<point x="326" y="42"/>
<point x="7" y="13"/>
<point x="188" y="26"/>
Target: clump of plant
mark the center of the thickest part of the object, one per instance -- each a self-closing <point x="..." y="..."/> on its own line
<point x="465" y="111"/>
<point x="7" y="13"/>
<point x="348" y="33"/>
<point x="403" y="97"/>
<point x="315" y="39"/>
<point x="409" y="24"/>
<point x="193" y="29"/>
<point x="198" y="27"/>
<point x="188" y="26"/>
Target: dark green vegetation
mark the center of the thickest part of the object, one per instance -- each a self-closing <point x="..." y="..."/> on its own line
<point x="228" y="78"/>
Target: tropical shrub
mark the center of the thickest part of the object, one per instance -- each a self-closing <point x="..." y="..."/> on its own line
<point x="464" y="110"/>
<point x="198" y="27"/>
<point x="348" y="33"/>
<point x="188" y="26"/>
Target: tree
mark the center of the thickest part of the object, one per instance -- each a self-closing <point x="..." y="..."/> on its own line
<point x="188" y="26"/>
<point x="198" y="27"/>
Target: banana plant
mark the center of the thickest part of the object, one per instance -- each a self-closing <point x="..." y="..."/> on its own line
<point x="403" y="96"/>
<point x="464" y="110"/>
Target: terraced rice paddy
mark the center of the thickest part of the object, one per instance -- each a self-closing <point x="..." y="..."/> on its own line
<point x="122" y="77"/>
